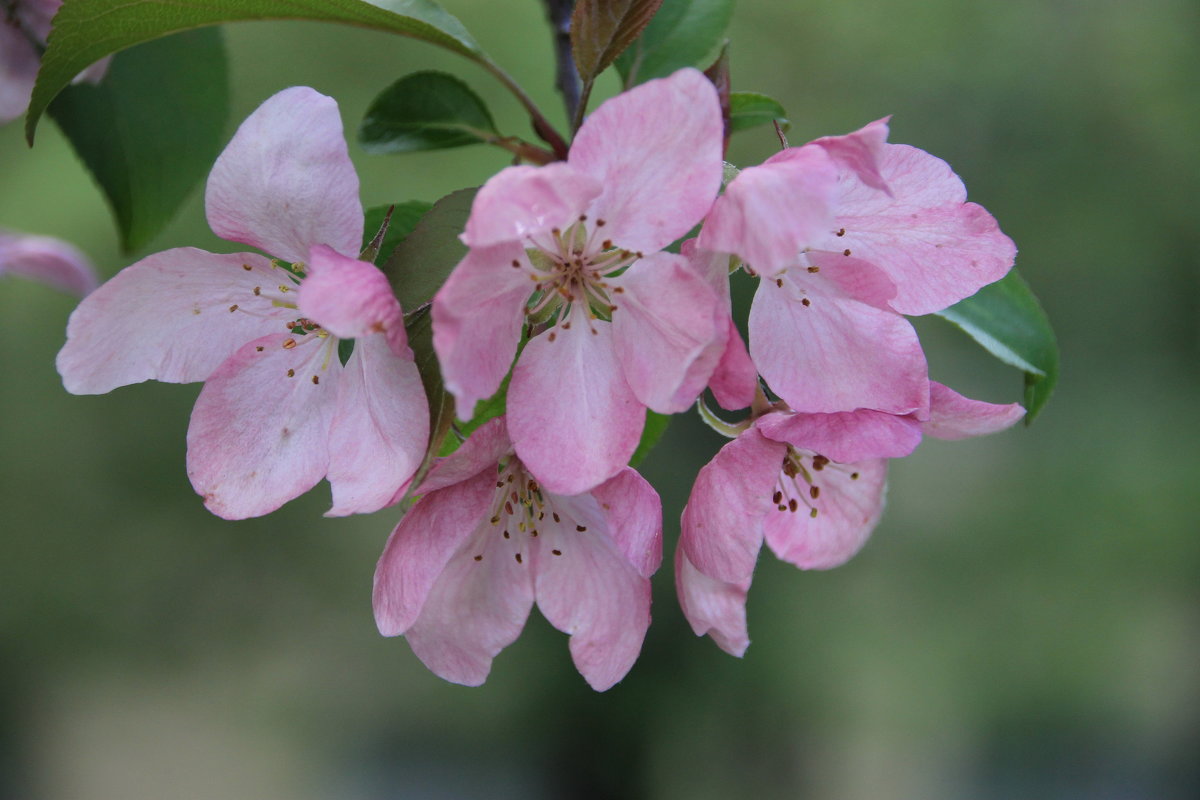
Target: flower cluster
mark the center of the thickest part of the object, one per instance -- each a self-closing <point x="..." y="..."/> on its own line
<point x="582" y="287"/>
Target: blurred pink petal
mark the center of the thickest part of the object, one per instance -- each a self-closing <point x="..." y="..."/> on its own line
<point x="46" y="259"/>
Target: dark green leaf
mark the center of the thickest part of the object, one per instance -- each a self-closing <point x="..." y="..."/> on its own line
<point x="87" y="30"/>
<point x="684" y="33"/>
<point x="1007" y="320"/>
<point x="748" y="109"/>
<point x="656" y="426"/>
<point x="602" y="29"/>
<point x="152" y="129"/>
<point x="405" y="217"/>
<point x="420" y="264"/>
<point x="425" y="111"/>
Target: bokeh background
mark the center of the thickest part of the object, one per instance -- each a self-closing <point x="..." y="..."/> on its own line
<point x="1025" y="622"/>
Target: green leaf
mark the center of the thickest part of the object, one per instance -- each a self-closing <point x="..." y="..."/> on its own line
<point x="1007" y="320"/>
<point x="425" y="111"/>
<point x="684" y="33"/>
<point x="151" y="130"/>
<point x="485" y="411"/>
<point x="87" y="30"/>
<point x="602" y="29"/>
<point x="749" y="109"/>
<point x="419" y="327"/>
<point x="405" y="217"/>
<point x="656" y="426"/>
<point x="420" y="264"/>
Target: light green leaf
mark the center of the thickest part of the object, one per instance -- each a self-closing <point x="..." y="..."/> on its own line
<point x="419" y="327"/>
<point x="1008" y="321"/>
<point x="152" y="129"/>
<point x="656" y="426"/>
<point x="87" y="30"/>
<point x="684" y="33"/>
<point x="420" y="264"/>
<point x="425" y="111"/>
<point x="749" y="109"/>
<point x="602" y="29"/>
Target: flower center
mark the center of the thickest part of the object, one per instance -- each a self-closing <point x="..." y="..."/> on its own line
<point x="521" y="512"/>
<point x="799" y="485"/>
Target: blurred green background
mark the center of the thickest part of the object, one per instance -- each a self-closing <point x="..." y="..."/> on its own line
<point x="1025" y="622"/>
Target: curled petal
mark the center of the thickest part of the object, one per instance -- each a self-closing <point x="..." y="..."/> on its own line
<point x="351" y="299"/>
<point x="520" y="202"/>
<point x="285" y="182"/>
<point x="845" y="436"/>
<point x="713" y="607"/>
<point x="860" y="152"/>
<point x="952" y="416"/>
<point x="49" y="260"/>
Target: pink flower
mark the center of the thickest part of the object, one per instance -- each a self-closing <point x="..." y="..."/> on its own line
<point x="278" y="411"/>
<point x="847" y="233"/>
<point x="812" y="486"/>
<point x="51" y="261"/>
<point x="463" y="568"/>
<point x="24" y="27"/>
<point x="626" y="327"/>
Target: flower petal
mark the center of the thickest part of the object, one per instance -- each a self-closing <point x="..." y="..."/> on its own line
<point x="735" y="378"/>
<point x="519" y="202"/>
<point x="657" y="152"/>
<point x="380" y="430"/>
<point x="860" y="152"/>
<point x="665" y="323"/>
<point x="634" y="514"/>
<point x="847" y="435"/>
<point x="174" y="316"/>
<point x="711" y="606"/>
<point x="722" y="522"/>
<point x="260" y="429"/>
<point x="937" y="248"/>
<point x="481" y="451"/>
<point x="18" y="69"/>
<point x="477" y="318"/>
<point x="835" y="354"/>
<point x="848" y="508"/>
<point x="351" y="299"/>
<point x="49" y="260"/>
<point x="285" y="182"/>
<point x="573" y="419"/>
<point x="952" y="416"/>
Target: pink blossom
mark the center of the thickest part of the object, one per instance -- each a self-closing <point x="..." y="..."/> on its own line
<point x="278" y="410"/>
<point x="485" y="541"/>
<point x="46" y="259"/>
<point x="23" y="31"/>
<point x="619" y="326"/>
<point x="812" y="486"/>
<point x="846" y="234"/>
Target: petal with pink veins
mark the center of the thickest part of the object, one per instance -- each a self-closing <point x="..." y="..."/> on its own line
<point x="952" y="416"/>
<point x="848" y="506"/>
<point x="845" y="436"/>
<point x="573" y="419"/>
<point x="657" y="152"/>
<point x="380" y="429"/>
<point x="519" y="202"/>
<point x="351" y="299"/>
<point x="713" y="607"/>
<point x="285" y="182"/>
<point x="46" y="259"/>
<point x="937" y="248"/>
<point x="634" y="514"/>
<point x="174" y="316"/>
<point x="260" y="428"/>
<point x="666" y="319"/>
<point x="835" y="353"/>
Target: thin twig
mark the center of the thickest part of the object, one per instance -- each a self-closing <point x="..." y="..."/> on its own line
<point x="566" y="76"/>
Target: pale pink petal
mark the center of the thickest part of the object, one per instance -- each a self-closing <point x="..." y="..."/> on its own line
<point x="519" y="202"/>
<point x="848" y="507"/>
<point x="351" y="298"/>
<point x="19" y="63"/>
<point x="735" y="379"/>
<point x="573" y="420"/>
<point x="421" y="546"/>
<point x="634" y="514"/>
<point x="937" y="248"/>
<point x="477" y="319"/>
<point x="665" y="322"/>
<point x="722" y="522"/>
<point x="481" y="451"/>
<point x="952" y="416"/>
<point x="713" y="607"/>
<point x="656" y="150"/>
<point x="586" y="588"/>
<point x="49" y="260"/>
<point x="847" y="435"/>
<point x="835" y="353"/>
<point x="173" y="316"/>
<point x="260" y="429"/>
<point x="285" y="181"/>
<point x="770" y="213"/>
<point x="860" y="152"/>
<point x="856" y="278"/>
<point x="380" y="430"/>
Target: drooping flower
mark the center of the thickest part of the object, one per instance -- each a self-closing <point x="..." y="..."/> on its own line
<point x="846" y="234"/>
<point x="618" y="326"/>
<point x="23" y="31"/>
<point x="812" y="486"/>
<point x="278" y="410"/>
<point x="46" y="259"/>
<point x="465" y="565"/>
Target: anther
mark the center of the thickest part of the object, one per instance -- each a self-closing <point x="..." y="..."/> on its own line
<point x="853" y="476"/>
<point x="846" y="252"/>
<point x="288" y="344"/>
<point x="291" y="373"/>
<point x="793" y="505"/>
<point x="607" y="244"/>
<point x="257" y="291"/>
<point x="819" y="463"/>
<point x="777" y="498"/>
<point x="805" y="302"/>
<point x="814" y="492"/>
<point x="581" y="528"/>
<point x="479" y="558"/>
<point x="518" y="557"/>
<point x="233" y="308"/>
<point x="259" y="348"/>
<point x="557" y="552"/>
<point x="316" y="380"/>
<point x="516" y="264"/>
<point x="507" y="535"/>
<point x="555" y="515"/>
<point x="841" y="232"/>
<point x="779" y="282"/>
<point x="813" y="513"/>
<point x="495" y="520"/>
<point x="583" y="217"/>
<point x="247" y="267"/>
<point x="551" y="337"/>
<point x="508" y="507"/>
<point x="600" y="223"/>
<point x="283" y="288"/>
<point x="815" y="270"/>
<point x="533" y="532"/>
